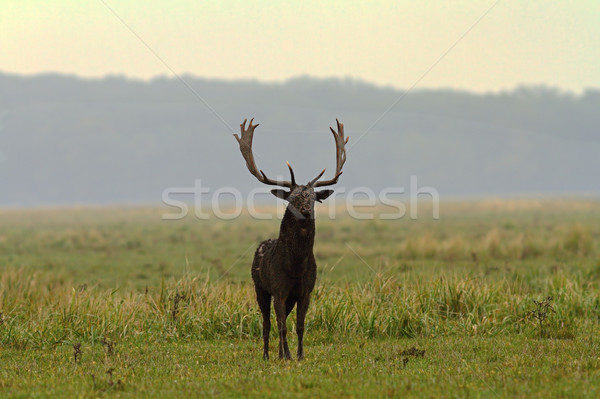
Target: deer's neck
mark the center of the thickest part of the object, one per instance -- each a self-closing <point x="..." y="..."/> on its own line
<point x="297" y="235"/>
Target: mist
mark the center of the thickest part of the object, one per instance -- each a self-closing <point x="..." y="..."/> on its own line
<point x="66" y="140"/>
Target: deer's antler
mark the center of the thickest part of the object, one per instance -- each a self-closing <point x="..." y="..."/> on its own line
<point x="246" y="150"/>
<point x="340" y="143"/>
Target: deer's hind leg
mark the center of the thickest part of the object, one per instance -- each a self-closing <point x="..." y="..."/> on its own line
<point x="264" y="303"/>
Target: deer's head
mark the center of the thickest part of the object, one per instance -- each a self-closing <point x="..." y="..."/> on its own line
<point x="301" y="197"/>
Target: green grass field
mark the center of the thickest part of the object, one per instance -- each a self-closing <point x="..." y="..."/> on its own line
<point x="115" y="302"/>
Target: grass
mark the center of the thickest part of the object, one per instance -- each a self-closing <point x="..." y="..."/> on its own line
<point x="116" y="302"/>
<point x="452" y="367"/>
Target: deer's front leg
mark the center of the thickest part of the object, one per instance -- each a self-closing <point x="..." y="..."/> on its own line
<point x="284" y="350"/>
<point x="301" y="315"/>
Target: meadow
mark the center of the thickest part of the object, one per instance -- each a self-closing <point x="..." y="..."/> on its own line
<point x="497" y="298"/>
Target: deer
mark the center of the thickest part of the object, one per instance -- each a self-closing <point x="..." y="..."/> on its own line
<point x="284" y="269"/>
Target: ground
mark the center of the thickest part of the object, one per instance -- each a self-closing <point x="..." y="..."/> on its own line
<point x="116" y="302"/>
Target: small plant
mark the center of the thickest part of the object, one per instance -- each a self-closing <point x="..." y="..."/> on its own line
<point x="541" y="312"/>
<point x="404" y="362"/>
<point x="413" y="352"/>
<point x="77" y="352"/>
<point x="109" y="346"/>
<point x="403" y="356"/>
<point x="175" y="309"/>
<point x="106" y="385"/>
<point x="110" y="375"/>
<point x="407" y="353"/>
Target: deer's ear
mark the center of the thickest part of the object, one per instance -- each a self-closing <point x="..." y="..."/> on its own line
<point x="281" y="193"/>
<point x="323" y="194"/>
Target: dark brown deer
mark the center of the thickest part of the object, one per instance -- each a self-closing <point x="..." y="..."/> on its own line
<point x="284" y="268"/>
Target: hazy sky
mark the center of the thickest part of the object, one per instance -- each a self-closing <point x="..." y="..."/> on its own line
<point x="385" y="42"/>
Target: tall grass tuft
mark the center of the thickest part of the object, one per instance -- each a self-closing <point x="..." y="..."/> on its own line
<point x="40" y="312"/>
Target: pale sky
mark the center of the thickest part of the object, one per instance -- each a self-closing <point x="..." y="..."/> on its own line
<point x="384" y="42"/>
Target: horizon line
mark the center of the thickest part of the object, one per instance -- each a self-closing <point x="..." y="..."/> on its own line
<point x="282" y="82"/>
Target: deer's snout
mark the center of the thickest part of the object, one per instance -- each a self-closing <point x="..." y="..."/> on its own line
<point x="306" y="211"/>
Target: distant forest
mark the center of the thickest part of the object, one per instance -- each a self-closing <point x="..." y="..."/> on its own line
<point x="66" y="140"/>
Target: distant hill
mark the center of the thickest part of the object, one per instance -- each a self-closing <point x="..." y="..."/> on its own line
<point x="67" y="140"/>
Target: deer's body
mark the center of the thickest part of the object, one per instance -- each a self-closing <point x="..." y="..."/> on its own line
<point x="284" y="269"/>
